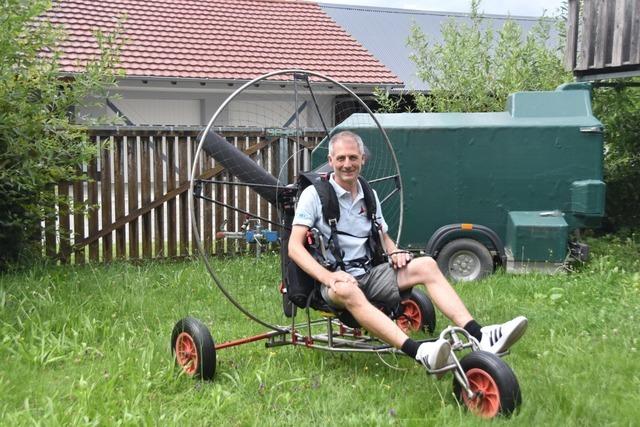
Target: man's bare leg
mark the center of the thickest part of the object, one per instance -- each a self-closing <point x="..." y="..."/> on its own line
<point x="369" y="317"/>
<point x="425" y="270"/>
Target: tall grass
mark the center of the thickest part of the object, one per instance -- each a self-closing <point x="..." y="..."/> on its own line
<point x="90" y="346"/>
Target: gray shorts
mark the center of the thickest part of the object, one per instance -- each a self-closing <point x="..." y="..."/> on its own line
<point x="379" y="285"/>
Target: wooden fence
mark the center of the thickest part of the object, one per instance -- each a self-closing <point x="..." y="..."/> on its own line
<point x="137" y="194"/>
<point x="603" y="37"/>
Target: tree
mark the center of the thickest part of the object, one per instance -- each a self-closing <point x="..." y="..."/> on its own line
<point x="475" y="67"/>
<point x="39" y="143"/>
<point x="618" y="107"/>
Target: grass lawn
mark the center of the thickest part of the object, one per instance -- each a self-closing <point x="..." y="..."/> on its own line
<point x="90" y="346"/>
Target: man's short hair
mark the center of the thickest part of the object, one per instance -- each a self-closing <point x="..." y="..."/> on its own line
<point x="346" y="135"/>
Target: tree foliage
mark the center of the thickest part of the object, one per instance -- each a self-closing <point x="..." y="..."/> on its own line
<point x="476" y="67"/>
<point x="618" y="108"/>
<point x="39" y="143"/>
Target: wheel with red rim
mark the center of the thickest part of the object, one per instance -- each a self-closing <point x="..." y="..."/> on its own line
<point x="417" y="313"/>
<point x="495" y="386"/>
<point x="193" y="348"/>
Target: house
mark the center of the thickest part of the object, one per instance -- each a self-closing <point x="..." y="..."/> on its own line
<point x="182" y="59"/>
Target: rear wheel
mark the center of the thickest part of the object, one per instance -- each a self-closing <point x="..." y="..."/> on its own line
<point x="193" y="348"/>
<point x="464" y="260"/>
<point x="494" y="384"/>
<point x="417" y="313"/>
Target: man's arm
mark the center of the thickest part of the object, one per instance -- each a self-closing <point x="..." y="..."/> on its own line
<point x="399" y="259"/>
<point x="301" y="256"/>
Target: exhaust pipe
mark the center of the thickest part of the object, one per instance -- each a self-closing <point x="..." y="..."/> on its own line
<point x="241" y="166"/>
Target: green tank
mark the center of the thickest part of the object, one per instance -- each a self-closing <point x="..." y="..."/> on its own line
<point x="510" y="188"/>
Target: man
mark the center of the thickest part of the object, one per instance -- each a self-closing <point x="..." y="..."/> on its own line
<point x="354" y="288"/>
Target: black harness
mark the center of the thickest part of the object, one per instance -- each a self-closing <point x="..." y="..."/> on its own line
<point x="331" y="215"/>
<point x="302" y="289"/>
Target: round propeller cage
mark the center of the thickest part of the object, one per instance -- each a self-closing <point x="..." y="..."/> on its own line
<point x="300" y="122"/>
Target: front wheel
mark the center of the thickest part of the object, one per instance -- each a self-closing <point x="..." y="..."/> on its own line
<point x="493" y="383"/>
<point x="464" y="260"/>
<point x="194" y="349"/>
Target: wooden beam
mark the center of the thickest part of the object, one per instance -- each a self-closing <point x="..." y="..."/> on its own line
<point x="603" y="33"/>
<point x="571" y="50"/>
<point x="588" y="33"/>
<point x="634" y="45"/>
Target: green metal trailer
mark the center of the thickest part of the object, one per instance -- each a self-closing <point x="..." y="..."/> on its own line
<point x="510" y="189"/>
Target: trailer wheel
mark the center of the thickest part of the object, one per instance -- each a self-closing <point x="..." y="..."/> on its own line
<point x="464" y="260"/>
<point x="193" y="348"/>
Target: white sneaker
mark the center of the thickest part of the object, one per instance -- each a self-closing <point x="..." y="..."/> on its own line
<point x="498" y="338"/>
<point x="434" y="354"/>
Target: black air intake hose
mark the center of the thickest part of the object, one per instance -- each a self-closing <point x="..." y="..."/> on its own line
<point x="241" y="166"/>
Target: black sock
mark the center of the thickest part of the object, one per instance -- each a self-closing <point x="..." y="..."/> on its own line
<point x="473" y="328"/>
<point x="410" y="348"/>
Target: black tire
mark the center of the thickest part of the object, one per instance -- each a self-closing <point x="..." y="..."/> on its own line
<point x="193" y="348"/>
<point x="464" y="260"/>
<point x="424" y="319"/>
<point x="488" y="373"/>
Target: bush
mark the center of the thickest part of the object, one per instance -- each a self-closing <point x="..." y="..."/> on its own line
<point x="39" y="143"/>
<point x="475" y="68"/>
<point x="618" y="108"/>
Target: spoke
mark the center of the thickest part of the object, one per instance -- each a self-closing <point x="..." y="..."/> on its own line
<point x="384" y="178"/>
<point x="389" y="195"/>
<point x="252" y="215"/>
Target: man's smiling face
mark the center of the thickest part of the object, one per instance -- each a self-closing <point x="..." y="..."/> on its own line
<point x="346" y="161"/>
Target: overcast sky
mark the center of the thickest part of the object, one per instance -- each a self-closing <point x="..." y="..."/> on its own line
<point x="500" y="7"/>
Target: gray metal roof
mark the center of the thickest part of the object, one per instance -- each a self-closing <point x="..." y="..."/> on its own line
<point x="384" y="32"/>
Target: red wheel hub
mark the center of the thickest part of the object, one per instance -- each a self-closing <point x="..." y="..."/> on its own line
<point x="187" y="353"/>
<point x="486" y="403"/>
<point x="411" y="317"/>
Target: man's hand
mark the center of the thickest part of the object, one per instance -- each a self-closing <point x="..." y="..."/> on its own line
<point x="399" y="259"/>
<point x="341" y="277"/>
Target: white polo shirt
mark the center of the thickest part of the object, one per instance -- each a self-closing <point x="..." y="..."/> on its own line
<point x="353" y="220"/>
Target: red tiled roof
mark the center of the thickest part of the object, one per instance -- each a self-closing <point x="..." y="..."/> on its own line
<point x="217" y="39"/>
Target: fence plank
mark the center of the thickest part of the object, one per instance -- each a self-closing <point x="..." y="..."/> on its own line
<point x="171" y="204"/>
<point x="219" y="213"/>
<point x="78" y="221"/>
<point x="145" y="194"/>
<point x="634" y="45"/>
<point x="588" y="33"/>
<point x="197" y="204"/>
<point x="274" y="168"/>
<point x="65" y="228"/>
<point x="572" y="35"/>
<point x="158" y="192"/>
<point x="132" y="194"/>
<point x="208" y="232"/>
<point x="94" y="212"/>
<point x="50" y="243"/>
<point x="118" y="176"/>
<point x="264" y="205"/>
<point x="243" y="143"/>
<point x="183" y="145"/>
<point x="105" y="197"/>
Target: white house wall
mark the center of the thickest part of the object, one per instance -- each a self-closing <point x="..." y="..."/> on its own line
<point x="189" y="108"/>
